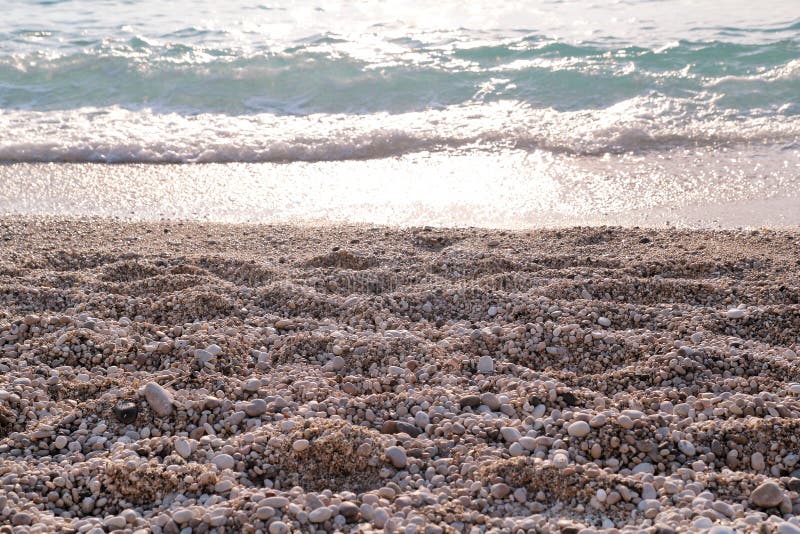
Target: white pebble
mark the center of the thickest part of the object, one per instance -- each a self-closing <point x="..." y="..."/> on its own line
<point x="579" y="429"/>
<point x="224" y="461"/>
<point x="735" y="313"/>
<point x="510" y="434"/>
<point x="183" y="448"/>
<point x="159" y="399"/>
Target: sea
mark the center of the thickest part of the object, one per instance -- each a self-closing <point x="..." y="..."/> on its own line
<point x="500" y="114"/>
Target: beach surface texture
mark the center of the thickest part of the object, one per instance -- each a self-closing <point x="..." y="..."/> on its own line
<point x="161" y="376"/>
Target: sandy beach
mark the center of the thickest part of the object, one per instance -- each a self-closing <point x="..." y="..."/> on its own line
<point x="189" y="377"/>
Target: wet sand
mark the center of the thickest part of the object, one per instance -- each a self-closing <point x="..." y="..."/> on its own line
<point x="164" y="376"/>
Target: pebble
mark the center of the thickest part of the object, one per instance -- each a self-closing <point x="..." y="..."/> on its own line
<point x="256" y="407"/>
<point x="735" y="313"/>
<point x="252" y="385"/>
<point x="183" y="448"/>
<point x="183" y="515"/>
<point x="426" y="414"/>
<point x="265" y="512"/>
<point x="278" y="527"/>
<point x="159" y="399"/>
<point x="686" y="447"/>
<point x="470" y="401"/>
<point x="757" y="461"/>
<point x="397" y="456"/>
<point x="767" y="495"/>
<point x="21" y="519"/>
<point x="300" y="445"/>
<point x="510" y="434"/>
<point x="579" y="429"/>
<point x="337" y="363"/>
<point x="320" y="515"/>
<point x="500" y="490"/>
<point x="491" y="400"/>
<point x="203" y="357"/>
<point x="486" y="365"/>
<point x="224" y="461"/>
<point x="126" y="411"/>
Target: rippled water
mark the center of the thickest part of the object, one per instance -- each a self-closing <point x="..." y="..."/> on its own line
<point x="153" y="82"/>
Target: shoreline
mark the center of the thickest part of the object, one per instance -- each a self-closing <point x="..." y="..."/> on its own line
<point x="503" y="190"/>
<point x="172" y="374"/>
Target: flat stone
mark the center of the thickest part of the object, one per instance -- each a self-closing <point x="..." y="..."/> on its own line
<point x="644" y="467"/>
<point x="159" y="399"/>
<point x="604" y="321"/>
<point x="735" y="313"/>
<point x="408" y="428"/>
<point x="274" y="502"/>
<point x="767" y="495"/>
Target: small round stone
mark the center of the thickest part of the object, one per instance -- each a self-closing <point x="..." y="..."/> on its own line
<point x="320" y="515"/>
<point x="687" y="447"/>
<point x="299" y="445"/>
<point x="397" y="456"/>
<point x="159" y="399"/>
<point x="767" y="495"/>
<point x="183" y="448"/>
<point x="579" y="429"/>
<point x="224" y="461"/>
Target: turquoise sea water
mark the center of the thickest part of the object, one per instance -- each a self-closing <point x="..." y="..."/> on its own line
<point x="117" y="80"/>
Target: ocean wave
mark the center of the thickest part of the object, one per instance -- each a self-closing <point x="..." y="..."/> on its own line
<point x="117" y="135"/>
<point x="332" y="75"/>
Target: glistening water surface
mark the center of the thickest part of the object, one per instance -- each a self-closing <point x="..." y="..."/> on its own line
<point x="577" y="111"/>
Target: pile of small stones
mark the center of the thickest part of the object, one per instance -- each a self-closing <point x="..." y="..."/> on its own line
<point x="182" y="378"/>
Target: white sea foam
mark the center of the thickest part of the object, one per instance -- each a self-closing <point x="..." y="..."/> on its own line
<point x="123" y="136"/>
